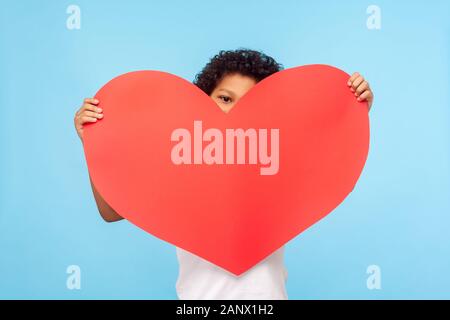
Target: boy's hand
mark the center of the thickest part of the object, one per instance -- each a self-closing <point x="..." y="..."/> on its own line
<point x="361" y="88"/>
<point x="89" y="112"/>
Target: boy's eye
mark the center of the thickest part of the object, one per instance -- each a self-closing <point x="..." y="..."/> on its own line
<point x="225" y="99"/>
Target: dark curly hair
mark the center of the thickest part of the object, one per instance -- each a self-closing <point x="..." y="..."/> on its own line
<point x="254" y="64"/>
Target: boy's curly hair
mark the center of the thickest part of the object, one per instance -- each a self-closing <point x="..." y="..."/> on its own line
<point x="249" y="63"/>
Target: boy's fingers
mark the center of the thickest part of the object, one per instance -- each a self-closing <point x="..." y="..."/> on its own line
<point x="85" y="119"/>
<point x="357" y="82"/>
<point x="352" y="78"/>
<point x="362" y="87"/>
<point x="93" y="114"/>
<point x="365" y="95"/>
<point x="91" y="107"/>
<point x="91" y="101"/>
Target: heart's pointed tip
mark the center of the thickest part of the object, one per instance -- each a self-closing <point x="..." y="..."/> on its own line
<point x="239" y="270"/>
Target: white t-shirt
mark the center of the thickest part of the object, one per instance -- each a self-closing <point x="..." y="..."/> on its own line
<point x="199" y="279"/>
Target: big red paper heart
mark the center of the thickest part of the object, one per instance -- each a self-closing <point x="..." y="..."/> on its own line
<point x="233" y="215"/>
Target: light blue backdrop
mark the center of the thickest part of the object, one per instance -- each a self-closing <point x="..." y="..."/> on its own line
<point x="398" y="217"/>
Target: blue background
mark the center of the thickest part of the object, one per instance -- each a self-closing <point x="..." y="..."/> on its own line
<point x="398" y="216"/>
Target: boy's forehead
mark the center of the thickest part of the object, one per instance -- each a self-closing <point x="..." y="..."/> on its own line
<point x="236" y="83"/>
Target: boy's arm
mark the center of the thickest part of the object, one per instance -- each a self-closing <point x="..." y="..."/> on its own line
<point x="88" y="113"/>
<point x="108" y="214"/>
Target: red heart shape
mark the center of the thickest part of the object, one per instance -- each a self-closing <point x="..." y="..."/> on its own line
<point x="228" y="214"/>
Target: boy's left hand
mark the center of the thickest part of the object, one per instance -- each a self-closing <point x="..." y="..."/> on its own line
<point x="361" y="88"/>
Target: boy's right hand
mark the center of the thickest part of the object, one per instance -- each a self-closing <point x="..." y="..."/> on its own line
<point x="89" y="112"/>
